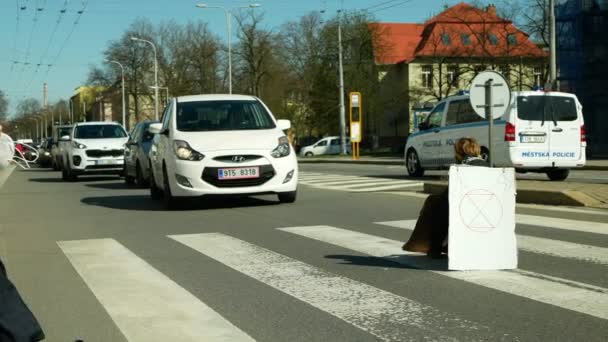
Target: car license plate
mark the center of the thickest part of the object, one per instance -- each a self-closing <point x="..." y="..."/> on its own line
<point x="105" y="162"/>
<point x="532" y="138"/>
<point x="238" y="173"/>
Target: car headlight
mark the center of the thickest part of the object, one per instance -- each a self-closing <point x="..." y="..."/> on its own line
<point x="183" y="151"/>
<point x="283" y="149"/>
<point x="78" y="145"/>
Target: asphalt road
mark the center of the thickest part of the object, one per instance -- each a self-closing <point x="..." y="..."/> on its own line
<point x="99" y="261"/>
<point x="397" y="171"/>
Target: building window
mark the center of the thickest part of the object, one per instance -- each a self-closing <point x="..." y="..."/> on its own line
<point x="493" y="39"/>
<point x="427" y="76"/>
<point x="466" y="39"/>
<point x="511" y="39"/>
<point x="452" y="76"/>
<point x="537" y="75"/>
<point x="445" y="39"/>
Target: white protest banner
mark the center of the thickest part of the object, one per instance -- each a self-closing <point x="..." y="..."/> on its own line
<point x="482" y="218"/>
<point x="7" y="151"/>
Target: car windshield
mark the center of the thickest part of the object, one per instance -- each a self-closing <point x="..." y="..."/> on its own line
<point x="99" y="132"/>
<point x="546" y="108"/>
<point x="222" y="116"/>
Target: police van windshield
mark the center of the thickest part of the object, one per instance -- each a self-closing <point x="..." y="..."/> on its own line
<point x="546" y="108"/>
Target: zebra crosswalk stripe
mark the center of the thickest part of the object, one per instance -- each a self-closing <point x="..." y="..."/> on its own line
<point x="567" y="294"/>
<point x="146" y="305"/>
<point x="558" y="248"/>
<point x="565" y="224"/>
<point x="358" y="304"/>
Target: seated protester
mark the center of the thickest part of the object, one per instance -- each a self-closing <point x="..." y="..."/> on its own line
<point x="431" y="229"/>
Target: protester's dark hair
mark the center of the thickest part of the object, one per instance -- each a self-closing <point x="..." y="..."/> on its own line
<point x="466" y="147"/>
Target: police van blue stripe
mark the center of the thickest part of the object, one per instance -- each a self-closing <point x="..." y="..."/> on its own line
<point x="465" y="125"/>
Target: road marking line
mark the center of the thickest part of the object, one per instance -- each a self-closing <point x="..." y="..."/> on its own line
<point x="558" y="248"/>
<point x="319" y="179"/>
<point x="144" y="303"/>
<point x="563" y="209"/>
<point x="389" y="187"/>
<point x="354" y="181"/>
<point x="567" y="294"/>
<point x="363" y="306"/>
<point x="565" y="224"/>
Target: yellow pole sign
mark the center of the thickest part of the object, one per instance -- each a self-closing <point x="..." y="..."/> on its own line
<point x="355" y="110"/>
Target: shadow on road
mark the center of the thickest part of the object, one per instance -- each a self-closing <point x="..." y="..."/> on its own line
<point x="80" y="179"/>
<point x="421" y="262"/>
<point x="113" y="186"/>
<point x="145" y="202"/>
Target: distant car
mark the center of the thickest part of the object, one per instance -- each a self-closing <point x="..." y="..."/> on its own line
<point x="221" y="145"/>
<point x="328" y="145"/>
<point x="137" y="163"/>
<point x="45" y="158"/>
<point x="94" y="148"/>
<point x="59" y="146"/>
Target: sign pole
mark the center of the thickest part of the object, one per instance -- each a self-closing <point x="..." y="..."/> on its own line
<point x="488" y="88"/>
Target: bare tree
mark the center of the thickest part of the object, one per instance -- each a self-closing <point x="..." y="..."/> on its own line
<point x="254" y="51"/>
<point x="3" y="106"/>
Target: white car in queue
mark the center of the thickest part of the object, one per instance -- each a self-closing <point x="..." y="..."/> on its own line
<point x="540" y="132"/>
<point x="93" y="148"/>
<point x="221" y="145"/>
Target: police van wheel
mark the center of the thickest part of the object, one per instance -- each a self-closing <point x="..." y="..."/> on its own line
<point x="558" y="175"/>
<point x="412" y="163"/>
<point x="308" y="154"/>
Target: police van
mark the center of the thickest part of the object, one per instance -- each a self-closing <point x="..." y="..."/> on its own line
<point x="540" y="132"/>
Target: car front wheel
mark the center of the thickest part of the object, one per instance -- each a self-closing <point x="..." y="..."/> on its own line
<point x="308" y="154"/>
<point x="171" y="202"/>
<point x="288" y="197"/>
<point x="412" y="163"/>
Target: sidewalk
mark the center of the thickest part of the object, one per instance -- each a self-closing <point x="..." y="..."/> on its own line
<point x="595" y="165"/>
<point x="545" y="192"/>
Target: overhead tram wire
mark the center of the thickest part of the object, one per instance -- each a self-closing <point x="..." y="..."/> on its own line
<point x="390" y="6"/>
<point x="380" y="4"/>
<point x="38" y="8"/>
<point x="15" y="38"/>
<point x="62" y="11"/>
<point x="67" y="39"/>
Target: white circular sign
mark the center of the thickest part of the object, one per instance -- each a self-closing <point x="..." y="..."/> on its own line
<point x="501" y="94"/>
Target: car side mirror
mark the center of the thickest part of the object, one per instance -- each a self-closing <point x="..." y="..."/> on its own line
<point x="65" y="138"/>
<point x="422" y="126"/>
<point x="284" y="124"/>
<point x="155" y="128"/>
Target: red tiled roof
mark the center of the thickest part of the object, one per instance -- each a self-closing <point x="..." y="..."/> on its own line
<point x="464" y="12"/>
<point x="398" y="42"/>
<point x="486" y="40"/>
<point x="404" y="42"/>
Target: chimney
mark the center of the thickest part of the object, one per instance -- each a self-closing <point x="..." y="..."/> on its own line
<point x="491" y="9"/>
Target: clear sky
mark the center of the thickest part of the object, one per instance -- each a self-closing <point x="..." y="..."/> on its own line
<point x="41" y="34"/>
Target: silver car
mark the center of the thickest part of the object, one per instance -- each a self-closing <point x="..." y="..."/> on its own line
<point x="137" y="163"/>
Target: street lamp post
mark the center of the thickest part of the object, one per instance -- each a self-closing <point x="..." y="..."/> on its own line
<point x="155" y="73"/>
<point x="228" y="13"/>
<point x="341" y="90"/>
<point x="124" y="106"/>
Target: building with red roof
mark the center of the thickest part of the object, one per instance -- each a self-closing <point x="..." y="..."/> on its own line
<point x="423" y="63"/>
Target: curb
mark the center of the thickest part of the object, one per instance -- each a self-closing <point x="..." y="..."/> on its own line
<point x="401" y="162"/>
<point x="531" y="196"/>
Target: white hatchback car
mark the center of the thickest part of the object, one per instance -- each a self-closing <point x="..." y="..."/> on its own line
<point x="328" y="145"/>
<point x="221" y="145"/>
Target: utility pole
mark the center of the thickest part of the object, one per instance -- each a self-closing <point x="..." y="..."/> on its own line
<point x="552" y="47"/>
<point x="45" y="109"/>
<point x="341" y="70"/>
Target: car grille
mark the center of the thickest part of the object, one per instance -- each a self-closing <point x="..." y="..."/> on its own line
<point x="103" y="167"/>
<point x="105" y="153"/>
<point x="242" y="158"/>
<point x="210" y="176"/>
